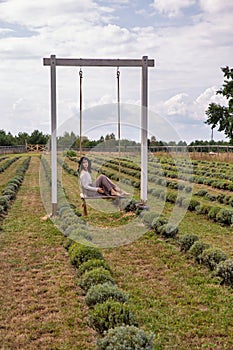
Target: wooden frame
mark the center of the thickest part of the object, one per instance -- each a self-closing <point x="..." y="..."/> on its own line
<point x="144" y="63"/>
<point x="35" y="148"/>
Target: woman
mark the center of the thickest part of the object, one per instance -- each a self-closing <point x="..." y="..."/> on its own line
<point x="102" y="185"/>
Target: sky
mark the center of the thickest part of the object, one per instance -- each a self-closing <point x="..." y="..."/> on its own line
<point x="190" y="40"/>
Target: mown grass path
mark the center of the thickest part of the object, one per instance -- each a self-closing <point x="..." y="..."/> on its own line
<point x="40" y="304"/>
<point x="173" y="297"/>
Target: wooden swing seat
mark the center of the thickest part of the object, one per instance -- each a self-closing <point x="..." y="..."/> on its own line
<point x="84" y="198"/>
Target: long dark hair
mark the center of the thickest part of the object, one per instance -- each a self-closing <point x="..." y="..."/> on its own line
<point x="80" y="164"/>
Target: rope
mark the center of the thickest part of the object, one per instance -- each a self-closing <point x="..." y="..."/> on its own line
<point x="80" y="109"/>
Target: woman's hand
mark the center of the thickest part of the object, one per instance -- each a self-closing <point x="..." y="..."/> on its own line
<point x="100" y="190"/>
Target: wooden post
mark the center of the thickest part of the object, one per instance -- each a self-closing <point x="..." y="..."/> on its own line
<point x="144" y="127"/>
<point x="80" y="111"/>
<point x="53" y="134"/>
<point x="118" y="123"/>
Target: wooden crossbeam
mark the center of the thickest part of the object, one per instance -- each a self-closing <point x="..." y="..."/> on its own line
<point x="92" y="62"/>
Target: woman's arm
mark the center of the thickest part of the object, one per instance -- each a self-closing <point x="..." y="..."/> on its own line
<point x="86" y="182"/>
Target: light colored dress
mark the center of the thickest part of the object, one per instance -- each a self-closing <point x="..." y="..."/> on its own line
<point x="86" y="183"/>
<point x="91" y="189"/>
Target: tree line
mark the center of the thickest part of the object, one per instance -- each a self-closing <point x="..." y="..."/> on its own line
<point x="68" y="139"/>
<point x="71" y="140"/>
<point x="36" y="137"/>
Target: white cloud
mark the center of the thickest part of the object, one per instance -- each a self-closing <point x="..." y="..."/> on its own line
<point x="20" y="105"/>
<point x="188" y="57"/>
<point x="34" y="15"/>
<point x="209" y="96"/>
<point x="187" y="117"/>
<point x="184" y="108"/>
<point x="5" y="31"/>
<point x="176" y="104"/>
<point x="172" y="8"/>
<point x="216" y="6"/>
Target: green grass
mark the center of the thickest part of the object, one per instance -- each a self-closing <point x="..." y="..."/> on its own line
<point x="172" y="296"/>
<point x="42" y="308"/>
<point x="216" y="235"/>
<point x="178" y="300"/>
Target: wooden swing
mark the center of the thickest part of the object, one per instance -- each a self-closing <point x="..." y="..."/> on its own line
<point x="83" y="197"/>
<point x="144" y="63"/>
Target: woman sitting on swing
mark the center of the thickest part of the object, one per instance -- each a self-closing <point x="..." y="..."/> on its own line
<point x="102" y="185"/>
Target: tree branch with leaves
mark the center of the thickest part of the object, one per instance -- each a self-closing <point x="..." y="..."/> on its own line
<point x="222" y="116"/>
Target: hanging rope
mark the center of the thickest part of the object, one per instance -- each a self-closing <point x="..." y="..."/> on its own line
<point x="80" y="109"/>
<point x="119" y="121"/>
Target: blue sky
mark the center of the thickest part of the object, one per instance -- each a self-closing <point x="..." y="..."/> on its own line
<point x="189" y="39"/>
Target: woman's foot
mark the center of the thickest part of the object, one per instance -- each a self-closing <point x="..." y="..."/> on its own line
<point x="115" y="193"/>
<point x="122" y="192"/>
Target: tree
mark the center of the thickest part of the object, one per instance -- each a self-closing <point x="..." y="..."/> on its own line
<point x="171" y="143"/>
<point x="22" y="138"/>
<point x="110" y="137"/>
<point x="37" y="137"/>
<point x="222" y="116"/>
<point x="182" y="143"/>
<point x="68" y="140"/>
<point x="6" y="139"/>
<point x="152" y="141"/>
